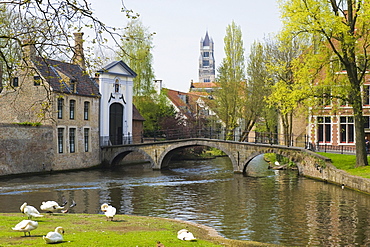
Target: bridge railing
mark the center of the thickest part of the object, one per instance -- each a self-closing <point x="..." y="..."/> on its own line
<point x="221" y="134"/>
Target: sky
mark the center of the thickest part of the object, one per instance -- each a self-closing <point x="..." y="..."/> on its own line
<point x="180" y="24"/>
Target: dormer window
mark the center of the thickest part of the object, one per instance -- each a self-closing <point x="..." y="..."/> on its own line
<point x="72" y="83"/>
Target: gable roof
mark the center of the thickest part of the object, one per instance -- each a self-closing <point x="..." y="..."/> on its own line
<point x="128" y="71"/>
<point x="52" y="71"/>
<point x="187" y="107"/>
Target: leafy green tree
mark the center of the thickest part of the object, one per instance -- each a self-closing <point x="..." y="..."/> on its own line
<point x="285" y="96"/>
<point x="338" y="30"/>
<point x="157" y="112"/>
<point x="231" y="78"/>
<point x="257" y="89"/>
<point x="137" y="43"/>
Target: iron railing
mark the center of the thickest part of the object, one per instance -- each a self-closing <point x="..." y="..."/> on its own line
<point x="221" y="134"/>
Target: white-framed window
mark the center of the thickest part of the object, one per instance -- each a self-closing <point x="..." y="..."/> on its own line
<point x="366" y="93"/>
<point x="347" y="130"/>
<point x="324" y="129"/>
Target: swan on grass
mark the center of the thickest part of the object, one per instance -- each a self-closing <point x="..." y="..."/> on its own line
<point x="54" y="237"/>
<point x="26" y="226"/>
<point x="185" y="235"/>
<point x="50" y="206"/>
<point x="30" y="211"/>
<point x="108" y="210"/>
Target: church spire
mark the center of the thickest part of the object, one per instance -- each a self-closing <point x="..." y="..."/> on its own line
<point x="206" y="60"/>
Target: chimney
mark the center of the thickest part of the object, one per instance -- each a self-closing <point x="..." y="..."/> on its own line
<point x="29" y="50"/>
<point x="78" y="57"/>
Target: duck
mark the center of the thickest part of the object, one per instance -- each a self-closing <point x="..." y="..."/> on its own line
<point x="30" y="211"/>
<point x="108" y="210"/>
<point x="50" y="206"/>
<point x="185" y="235"/>
<point x="26" y="226"/>
<point x="54" y="237"/>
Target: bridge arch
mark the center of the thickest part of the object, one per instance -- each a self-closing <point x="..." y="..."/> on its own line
<point x="254" y="155"/>
<point x="121" y="154"/>
<point x="167" y="154"/>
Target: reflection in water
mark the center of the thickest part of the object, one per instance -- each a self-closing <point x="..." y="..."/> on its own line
<point x="268" y="206"/>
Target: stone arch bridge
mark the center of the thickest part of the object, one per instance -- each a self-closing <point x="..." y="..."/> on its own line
<point x="240" y="153"/>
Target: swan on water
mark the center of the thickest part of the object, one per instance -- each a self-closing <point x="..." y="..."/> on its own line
<point x="108" y="210"/>
<point x="185" y="235"/>
<point x="30" y="211"/>
<point x="54" y="237"/>
<point x="26" y="226"/>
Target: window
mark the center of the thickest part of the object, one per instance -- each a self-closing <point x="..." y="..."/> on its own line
<point x="60" y="108"/>
<point x="15" y="82"/>
<point x="366" y="122"/>
<point x="72" y="83"/>
<point x="346" y="130"/>
<point x="37" y="80"/>
<point x="86" y="110"/>
<point x="86" y="140"/>
<point x="72" y="140"/>
<point x="116" y="86"/>
<point x="205" y="63"/>
<point x="72" y="104"/>
<point x="366" y="94"/>
<point x="324" y="129"/>
<point x="206" y="54"/>
<point x="207" y="80"/>
<point x="60" y="140"/>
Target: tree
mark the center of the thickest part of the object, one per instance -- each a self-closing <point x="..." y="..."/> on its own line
<point x="257" y="89"/>
<point x="137" y="43"/>
<point x="286" y="96"/>
<point x="338" y="29"/>
<point x="231" y="78"/>
<point x="49" y="26"/>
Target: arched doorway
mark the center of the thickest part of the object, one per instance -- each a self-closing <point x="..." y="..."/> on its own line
<point x="116" y="123"/>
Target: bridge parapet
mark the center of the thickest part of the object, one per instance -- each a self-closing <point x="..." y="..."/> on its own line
<point x="240" y="153"/>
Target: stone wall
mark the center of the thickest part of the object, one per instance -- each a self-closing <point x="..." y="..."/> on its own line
<point x="322" y="169"/>
<point x="25" y="149"/>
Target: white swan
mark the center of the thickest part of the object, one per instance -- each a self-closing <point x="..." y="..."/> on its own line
<point x="50" y="206"/>
<point x="30" y="211"/>
<point x="54" y="237"/>
<point x="108" y="210"/>
<point x="26" y="226"/>
<point x="185" y="235"/>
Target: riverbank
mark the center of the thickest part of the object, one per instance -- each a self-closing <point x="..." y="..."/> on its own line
<point x="125" y="230"/>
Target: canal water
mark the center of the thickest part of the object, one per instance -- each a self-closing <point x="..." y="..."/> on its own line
<point x="277" y="207"/>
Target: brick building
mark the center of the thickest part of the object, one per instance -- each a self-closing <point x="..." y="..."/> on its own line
<point x="61" y="96"/>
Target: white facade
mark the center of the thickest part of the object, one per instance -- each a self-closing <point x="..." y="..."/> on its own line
<point x="116" y="89"/>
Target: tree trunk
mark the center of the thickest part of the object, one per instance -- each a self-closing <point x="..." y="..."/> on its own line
<point x="361" y="155"/>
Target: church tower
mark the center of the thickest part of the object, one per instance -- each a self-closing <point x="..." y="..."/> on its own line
<point x="206" y="60"/>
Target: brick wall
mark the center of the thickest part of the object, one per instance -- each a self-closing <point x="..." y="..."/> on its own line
<point x="25" y="149"/>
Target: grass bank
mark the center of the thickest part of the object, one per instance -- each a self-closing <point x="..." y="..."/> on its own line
<point x="127" y="231"/>
<point x="347" y="163"/>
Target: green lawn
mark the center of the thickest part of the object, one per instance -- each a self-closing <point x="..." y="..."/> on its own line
<point x="93" y="230"/>
<point x="347" y="163"/>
